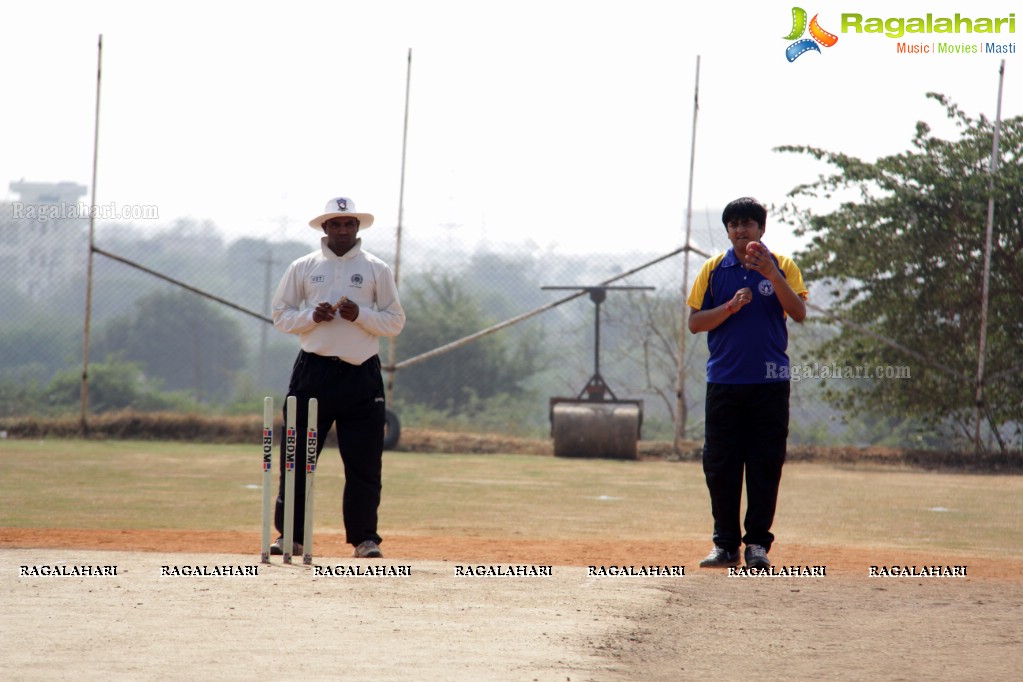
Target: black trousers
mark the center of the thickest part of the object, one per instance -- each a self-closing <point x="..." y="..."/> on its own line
<point x="352" y="398"/>
<point x="747" y="426"/>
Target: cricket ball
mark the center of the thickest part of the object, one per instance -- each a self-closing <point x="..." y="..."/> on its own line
<point x="754" y="248"/>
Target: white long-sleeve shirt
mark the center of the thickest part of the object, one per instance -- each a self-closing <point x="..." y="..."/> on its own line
<point x="325" y="276"/>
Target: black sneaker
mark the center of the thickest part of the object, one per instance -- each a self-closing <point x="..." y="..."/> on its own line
<point x="756" y="557"/>
<point x="368" y="550"/>
<point x="277" y="548"/>
<point x="720" y="558"/>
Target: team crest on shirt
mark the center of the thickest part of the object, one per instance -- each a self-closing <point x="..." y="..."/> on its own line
<point x="765" y="287"/>
<point x="356" y="280"/>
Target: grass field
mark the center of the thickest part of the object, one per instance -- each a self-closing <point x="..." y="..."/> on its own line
<point x="146" y="485"/>
<point x="142" y="505"/>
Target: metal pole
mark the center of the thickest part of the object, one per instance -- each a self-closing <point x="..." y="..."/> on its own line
<point x="598" y="298"/>
<point x="392" y="345"/>
<point x="982" y="342"/>
<point x="682" y="410"/>
<point x="267" y="283"/>
<point x="92" y="241"/>
<point x="458" y="343"/>
<point x="179" y="283"/>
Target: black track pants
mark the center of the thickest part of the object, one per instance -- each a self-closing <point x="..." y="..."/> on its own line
<point x="352" y="398"/>
<point x="747" y="428"/>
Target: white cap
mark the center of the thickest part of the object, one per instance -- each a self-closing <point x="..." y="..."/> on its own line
<point x="340" y="207"/>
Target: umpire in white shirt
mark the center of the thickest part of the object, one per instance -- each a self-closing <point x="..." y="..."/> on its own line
<point x="340" y="300"/>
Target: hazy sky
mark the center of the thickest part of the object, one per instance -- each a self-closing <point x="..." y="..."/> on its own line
<point x="566" y="124"/>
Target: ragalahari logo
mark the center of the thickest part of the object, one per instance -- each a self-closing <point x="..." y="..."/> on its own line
<point x="817" y="35"/>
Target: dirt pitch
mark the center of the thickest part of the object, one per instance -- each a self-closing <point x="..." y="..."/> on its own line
<point x="435" y="625"/>
<point x="431" y="625"/>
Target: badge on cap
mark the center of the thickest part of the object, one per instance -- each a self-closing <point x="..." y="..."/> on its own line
<point x="342" y="204"/>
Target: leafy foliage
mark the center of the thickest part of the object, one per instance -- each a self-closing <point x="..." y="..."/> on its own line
<point x="903" y="255"/>
<point x="33" y="350"/>
<point x="112" y="386"/>
<point x="440" y="311"/>
<point x="180" y="339"/>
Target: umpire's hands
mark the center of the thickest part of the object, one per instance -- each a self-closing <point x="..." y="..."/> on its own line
<point x="324" y="312"/>
<point x="348" y="310"/>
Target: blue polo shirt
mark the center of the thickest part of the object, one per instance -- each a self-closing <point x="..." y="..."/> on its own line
<point x="744" y="346"/>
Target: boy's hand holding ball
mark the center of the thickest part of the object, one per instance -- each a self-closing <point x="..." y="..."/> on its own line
<point x="758" y="258"/>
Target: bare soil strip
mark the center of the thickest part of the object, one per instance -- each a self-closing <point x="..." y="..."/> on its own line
<point x="840" y="561"/>
<point x="436" y="625"/>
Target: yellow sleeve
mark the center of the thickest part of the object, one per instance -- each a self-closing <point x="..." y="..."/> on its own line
<point x="699" y="290"/>
<point x="793" y="276"/>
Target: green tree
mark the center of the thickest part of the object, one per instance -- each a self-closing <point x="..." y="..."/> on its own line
<point x="19" y="398"/>
<point x="34" y="347"/>
<point x="442" y="311"/>
<point x="902" y="255"/>
<point x="492" y="275"/>
<point x="113" y="385"/>
<point x="180" y="339"/>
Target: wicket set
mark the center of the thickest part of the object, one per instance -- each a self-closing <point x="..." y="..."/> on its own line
<point x="290" y="449"/>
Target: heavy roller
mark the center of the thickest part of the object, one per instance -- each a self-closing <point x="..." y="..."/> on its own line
<point x="596" y="423"/>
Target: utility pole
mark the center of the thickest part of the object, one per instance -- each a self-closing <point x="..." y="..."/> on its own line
<point x="267" y="284"/>
<point x="982" y="342"/>
<point x="92" y="245"/>
<point x="682" y="408"/>
<point x="392" y="342"/>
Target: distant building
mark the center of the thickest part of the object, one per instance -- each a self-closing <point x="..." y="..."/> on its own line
<point x="43" y="238"/>
<point x="48" y="192"/>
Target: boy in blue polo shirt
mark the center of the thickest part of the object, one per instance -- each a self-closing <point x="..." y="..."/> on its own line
<point x="742" y="299"/>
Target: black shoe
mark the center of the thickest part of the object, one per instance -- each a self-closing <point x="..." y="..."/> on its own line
<point x="368" y="550"/>
<point x="720" y="558"/>
<point x="277" y="548"/>
<point x="756" y="557"/>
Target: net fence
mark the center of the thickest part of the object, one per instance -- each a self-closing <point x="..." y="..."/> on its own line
<point x="180" y="321"/>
